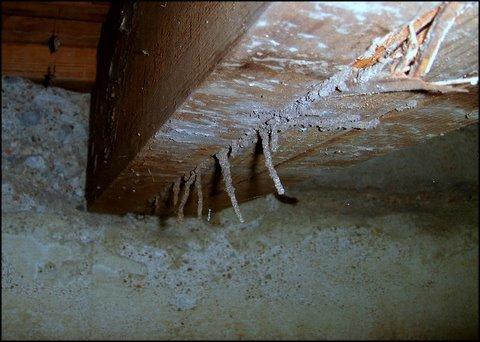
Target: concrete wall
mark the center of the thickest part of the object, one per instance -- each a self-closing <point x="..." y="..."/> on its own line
<point x="385" y="249"/>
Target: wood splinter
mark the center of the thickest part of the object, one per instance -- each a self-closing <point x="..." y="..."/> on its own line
<point x="470" y="80"/>
<point x="411" y="53"/>
<point x="437" y="32"/>
<point x="392" y="41"/>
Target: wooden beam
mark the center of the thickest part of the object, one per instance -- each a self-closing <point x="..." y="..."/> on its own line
<point x="94" y="11"/>
<point x="302" y="155"/>
<point x="153" y="56"/>
<point x="277" y="64"/>
<point x="27" y="28"/>
<point x="74" y="67"/>
<point x="35" y="30"/>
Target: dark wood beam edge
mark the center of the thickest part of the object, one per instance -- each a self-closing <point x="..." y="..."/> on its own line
<point x="138" y="41"/>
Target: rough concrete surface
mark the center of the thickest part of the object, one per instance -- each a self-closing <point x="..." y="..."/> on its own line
<point x="384" y="249"/>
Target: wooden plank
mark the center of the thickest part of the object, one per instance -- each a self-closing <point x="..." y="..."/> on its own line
<point x="289" y="51"/>
<point x="35" y="30"/>
<point x="74" y="67"/>
<point x="27" y="28"/>
<point x="302" y="155"/>
<point x="71" y="10"/>
<point x="154" y="55"/>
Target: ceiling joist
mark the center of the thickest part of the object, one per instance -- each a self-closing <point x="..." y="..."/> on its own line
<point x="309" y="86"/>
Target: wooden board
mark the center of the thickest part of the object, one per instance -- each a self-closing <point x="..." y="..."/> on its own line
<point x="160" y="54"/>
<point x="292" y="47"/>
<point x="27" y="28"/>
<point x="74" y="67"/>
<point x="36" y="30"/>
<point x="93" y="11"/>
<point x="303" y="155"/>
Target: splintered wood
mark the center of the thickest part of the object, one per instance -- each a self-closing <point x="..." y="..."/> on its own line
<point x="412" y="50"/>
<point x="442" y="23"/>
<point x="421" y="51"/>
<point x="417" y="56"/>
<point x="392" y="41"/>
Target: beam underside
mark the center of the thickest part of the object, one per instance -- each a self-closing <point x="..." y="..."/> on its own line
<point x="149" y="175"/>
